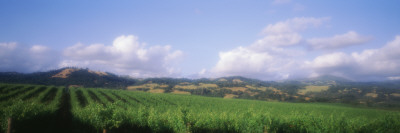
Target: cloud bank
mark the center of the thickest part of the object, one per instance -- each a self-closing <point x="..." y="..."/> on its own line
<point x="370" y="64"/>
<point x="271" y="57"/>
<point x="15" y="57"/>
<point x="277" y="55"/>
<point x="126" y="56"/>
<point x="338" y="41"/>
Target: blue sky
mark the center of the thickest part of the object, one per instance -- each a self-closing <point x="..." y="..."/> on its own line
<point x="270" y="40"/>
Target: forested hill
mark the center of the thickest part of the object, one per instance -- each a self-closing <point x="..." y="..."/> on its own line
<point x="69" y="77"/>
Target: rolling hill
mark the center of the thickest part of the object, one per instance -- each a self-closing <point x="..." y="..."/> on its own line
<point x="321" y="89"/>
<point x="68" y="77"/>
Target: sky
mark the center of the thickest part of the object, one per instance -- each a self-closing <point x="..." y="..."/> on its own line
<point x="263" y="39"/>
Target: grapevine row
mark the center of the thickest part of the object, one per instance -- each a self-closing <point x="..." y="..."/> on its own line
<point x="22" y="103"/>
<point x="113" y="110"/>
<point x="106" y="110"/>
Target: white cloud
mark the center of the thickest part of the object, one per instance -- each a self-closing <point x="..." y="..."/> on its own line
<point x="6" y="48"/>
<point x="269" y="58"/>
<point x="268" y="65"/>
<point x="14" y="57"/>
<point x="332" y="60"/>
<point x="274" y="64"/>
<point x="338" y="64"/>
<point x="92" y="52"/>
<point x="394" y="78"/>
<point x="370" y="64"/>
<point x="127" y="44"/>
<point x="243" y="59"/>
<point x="279" y="40"/>
<point x="338" y="41"/>
<point x="38" y="49"/>
<point x="125" y="56"/>
<point x="278" y="63"/>
<point x="294" y="25"/>
<point x="285" y="33"/>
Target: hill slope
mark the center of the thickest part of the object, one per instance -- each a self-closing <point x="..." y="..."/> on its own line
<point x="67" y="77"/>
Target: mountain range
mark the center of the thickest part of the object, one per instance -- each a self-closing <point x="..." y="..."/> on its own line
<point x="88" y="78"/>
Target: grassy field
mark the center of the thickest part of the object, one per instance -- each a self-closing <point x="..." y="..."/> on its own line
<point x="98" y="110"/>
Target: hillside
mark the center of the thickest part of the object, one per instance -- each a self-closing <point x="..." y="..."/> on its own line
<point x="372" y="94"/>
<point x="68" y="77"/>
<point x="321" y="89"/>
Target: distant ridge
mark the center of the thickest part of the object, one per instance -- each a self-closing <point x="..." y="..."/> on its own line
<point x="69" y="76"/>
<point x="88" y="78"/>
<point x="329" y="78"/>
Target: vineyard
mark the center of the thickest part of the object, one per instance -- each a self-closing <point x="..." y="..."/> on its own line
<point x="34" y="108"/>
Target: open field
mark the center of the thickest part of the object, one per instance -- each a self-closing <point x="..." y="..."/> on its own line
<point x="312" y="88"/>
<point x="98" y="110"/>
